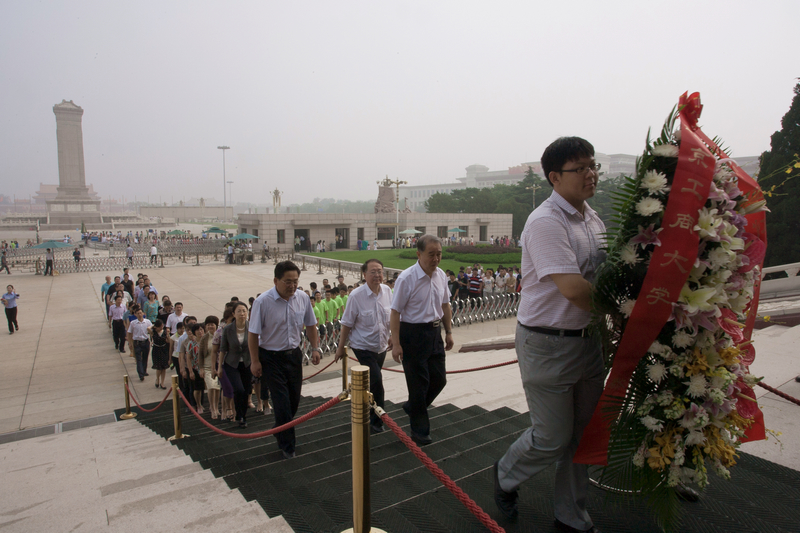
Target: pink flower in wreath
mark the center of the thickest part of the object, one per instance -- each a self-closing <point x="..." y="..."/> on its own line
<point x="647" y="236"/>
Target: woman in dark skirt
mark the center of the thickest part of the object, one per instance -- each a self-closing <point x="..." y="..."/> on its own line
<point x="160" y="352"/>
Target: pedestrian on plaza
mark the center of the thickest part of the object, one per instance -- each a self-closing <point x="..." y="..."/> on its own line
<point x="488" y="282"/>
<point x="234" y="360"/>
<point x="185" y="375"/>
<point x="224" y="382"/>
<point x="230" y="253"/>
<point x="139" y="332"/>
<point x="150" y="307"/>
<point x="104" y="289"/>
<point x="175" y="350"/>
<point x="9" y="300"/>
<point x="116" y="322"/>
<point x="49" y="259"/>
<point x="560" y="364"/>
<point x="275" y="333"/>
<point x="129" y="253"/>
<point x="4" y="263"/>
<point x="420" y="307"/>
<point x="76" y="256"/>
<point x="160" y="352"/>
<point x="366" y="323"/>
<point x="153" y="254"/>
<point x="208" y="364"/>
<point x="193" y="368"/>
<point x="164" y="311"/>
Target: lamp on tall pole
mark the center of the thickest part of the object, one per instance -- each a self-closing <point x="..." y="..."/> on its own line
<point x="230" y="195"/>
<point x="224" y="196"/>
<point x="534" y="188"/>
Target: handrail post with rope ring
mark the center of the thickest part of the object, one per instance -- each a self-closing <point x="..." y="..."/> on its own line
<point x="128" y="414"/>
<point x="359" y="415"/>
<point x="176" y="411"/>
<point x="344" y="370"/>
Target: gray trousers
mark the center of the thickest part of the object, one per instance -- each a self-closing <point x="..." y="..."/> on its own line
<point x="563" y="380"/>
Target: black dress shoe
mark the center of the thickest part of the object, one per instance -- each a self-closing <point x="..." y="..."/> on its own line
<point x="561" y="526"/>
<point x="375" y="429"/>
<point x="421" y="440"/>
<point x="686" y="493"/>
<point x="287" y="455"/>
<point x="506" y="501"/>
<point x="243" y="423"/>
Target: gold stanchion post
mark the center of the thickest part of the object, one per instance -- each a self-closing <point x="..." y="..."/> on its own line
<point x="176" y="411"/>
<point x="359" y="413"/>
<point x="128" y="414"/>
<point x="344" y="370"/>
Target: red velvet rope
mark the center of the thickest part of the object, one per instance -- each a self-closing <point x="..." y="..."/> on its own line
<point x="142" y="408"/>
<point x="783" y="395"/>
<point x="320" y="372"/>
<point x="322" y="408"/>
<point x="455" y="371"/>
<point x="468" y="502"/>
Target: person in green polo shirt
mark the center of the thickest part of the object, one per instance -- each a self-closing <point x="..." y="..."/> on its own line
<point x="337" y="297"/>
<point x="331" y="307"/>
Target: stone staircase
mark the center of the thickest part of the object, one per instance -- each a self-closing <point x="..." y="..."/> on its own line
<point x="312" y="492"/>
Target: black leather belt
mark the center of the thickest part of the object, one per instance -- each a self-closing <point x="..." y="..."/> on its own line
<point x="557" y="332"/>
<point x="281" y="352"/>
<point x="434" y="324"/>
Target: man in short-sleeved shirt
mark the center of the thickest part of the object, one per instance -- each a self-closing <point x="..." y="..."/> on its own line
<point x="175" y="317"/>
<point x="366" y="324"/>
<point x="420" y="307"/>
<point x="275" y="334"/>
<point x="561" y="366"/>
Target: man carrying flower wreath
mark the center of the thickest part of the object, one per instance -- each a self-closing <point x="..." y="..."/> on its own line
<point x="561" y="366"/>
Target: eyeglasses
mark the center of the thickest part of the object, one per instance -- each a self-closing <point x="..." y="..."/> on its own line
<point x="293" y="282"/>
<point x="582" y="171"/>
<point x="375" y="272"/>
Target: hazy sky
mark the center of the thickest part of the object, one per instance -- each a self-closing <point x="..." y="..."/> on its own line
<point x="322" y="99"/>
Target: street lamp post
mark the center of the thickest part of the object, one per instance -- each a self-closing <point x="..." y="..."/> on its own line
<point x="533" y="188"/>
<point x="230" y="195"/>
<point x="224" y="196"/>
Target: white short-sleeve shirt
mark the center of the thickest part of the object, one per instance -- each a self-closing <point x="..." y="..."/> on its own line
<point x="419" y="297"/>
<point x="278" y="322"/>
<point x="557" y="239"/>
<point x="367" y="314"/>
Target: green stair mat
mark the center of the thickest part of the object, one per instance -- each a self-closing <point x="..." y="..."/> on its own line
<point x="313" y="491"/>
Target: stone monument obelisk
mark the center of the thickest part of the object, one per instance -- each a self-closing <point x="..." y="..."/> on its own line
<point x="72" y="205"/>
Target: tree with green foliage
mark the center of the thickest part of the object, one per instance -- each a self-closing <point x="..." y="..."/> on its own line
<point x="778" y="166"/>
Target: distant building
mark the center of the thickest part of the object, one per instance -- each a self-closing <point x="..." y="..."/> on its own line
<point x="479" y="176"/>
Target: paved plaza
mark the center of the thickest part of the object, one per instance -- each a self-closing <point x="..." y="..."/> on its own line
<point x="62" y="372"/>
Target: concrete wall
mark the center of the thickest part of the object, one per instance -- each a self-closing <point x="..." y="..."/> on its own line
<point x="323" y="226"/>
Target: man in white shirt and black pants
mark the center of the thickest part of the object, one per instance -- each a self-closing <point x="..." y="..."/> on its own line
<point x="139" y="337"/>
<point x="420" y="307"/>
<point x="275" y="333"/>
<point x="366" y="323"/>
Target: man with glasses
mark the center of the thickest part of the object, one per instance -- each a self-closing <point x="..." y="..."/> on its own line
<point x="561" y="366"/>
<point x="366" y="323"/>
<point x="275" y="333"/>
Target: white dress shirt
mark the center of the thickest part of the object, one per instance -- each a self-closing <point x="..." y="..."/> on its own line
<point x="367" y="314"/>
<point x="279" y="323"/>
<point x="138" y="329"/>
<point x="557" y="239"/>
<point x="419" y="297"/>
<point x="173" y="319"/>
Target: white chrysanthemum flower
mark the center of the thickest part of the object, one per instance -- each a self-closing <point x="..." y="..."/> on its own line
<point x="628" y="255"/>
<point x="653" y="424"/>
<point x="681" y="339"/>
<point x="695" y="438"/>
<point x="656" y="372"/>
<point x="665" y="150"/>
<point x="654" y="181"/>
<point x="656" y="348"/>
<point x="626" y="307"/>
<point x="696" y="386"/>
<point x="649" y="206"/>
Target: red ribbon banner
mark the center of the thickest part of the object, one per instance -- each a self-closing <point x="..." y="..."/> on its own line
<point x="669" y="268"/>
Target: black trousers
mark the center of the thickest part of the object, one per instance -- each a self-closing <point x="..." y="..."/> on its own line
<point x="118" y="328"/>
<point x="11" y="316"/>
<point x="423" y="363"/>
<point x="141" y="349"/>
<point x="240" y="378"/>
<point x="184" y="384"/>
<point x="375" y="363"/>
<point x="48" y="267"/>
<point x="282" y="374"/>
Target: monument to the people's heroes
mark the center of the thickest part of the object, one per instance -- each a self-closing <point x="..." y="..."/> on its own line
<point x="72" y="205"/>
